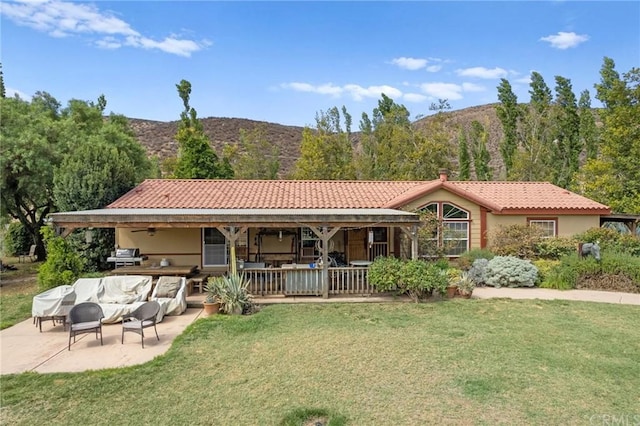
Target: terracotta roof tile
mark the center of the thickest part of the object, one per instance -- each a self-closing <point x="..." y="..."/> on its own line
<point x="227" y="194"/>
<point x="525" y="196"/>
<point x="264" y="194"/>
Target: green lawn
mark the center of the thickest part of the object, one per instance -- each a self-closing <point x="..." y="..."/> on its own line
<point x="17" y="291"/>
<point x="453" y="362"/>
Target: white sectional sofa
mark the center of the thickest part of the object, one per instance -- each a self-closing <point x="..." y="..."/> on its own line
<point x="117" y="295"/>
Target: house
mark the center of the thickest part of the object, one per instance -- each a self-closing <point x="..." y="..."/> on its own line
<point x="286" y="225"/>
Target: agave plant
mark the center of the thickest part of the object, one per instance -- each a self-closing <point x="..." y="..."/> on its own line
<point x="233" y="293"/>
<point x="465" y="284"/>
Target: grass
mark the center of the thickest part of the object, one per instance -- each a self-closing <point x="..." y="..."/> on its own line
<point x="454" y="362"/>
<point x="16" y="291"/>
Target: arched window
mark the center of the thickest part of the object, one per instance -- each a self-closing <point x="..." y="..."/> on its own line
<point x="453" y="235"/>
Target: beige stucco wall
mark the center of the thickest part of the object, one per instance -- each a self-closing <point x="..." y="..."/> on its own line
<point x="568" y="225"/>
<point x="178" y="246"/>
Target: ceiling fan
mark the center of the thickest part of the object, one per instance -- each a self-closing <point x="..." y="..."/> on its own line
<point x="150" y="231"/>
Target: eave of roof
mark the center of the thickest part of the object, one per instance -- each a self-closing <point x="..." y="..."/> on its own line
<point x="159" y="218"/>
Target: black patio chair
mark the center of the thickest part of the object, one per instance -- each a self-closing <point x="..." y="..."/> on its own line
<point x="85" y="317"/>
<point x="144" y="316"/>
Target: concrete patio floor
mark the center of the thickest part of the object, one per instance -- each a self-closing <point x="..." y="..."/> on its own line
<point x="23" y="348"/>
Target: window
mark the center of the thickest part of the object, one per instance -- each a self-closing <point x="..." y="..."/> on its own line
<point x="215" y="251"/>
<point x="453" y="236"/>
<point x="548" y="226"/>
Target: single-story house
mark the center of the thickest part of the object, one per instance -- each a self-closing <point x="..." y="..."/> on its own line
<point x="284" y="224"/>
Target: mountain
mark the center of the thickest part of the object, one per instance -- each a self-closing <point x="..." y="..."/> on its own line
<point x="158" y="137"/>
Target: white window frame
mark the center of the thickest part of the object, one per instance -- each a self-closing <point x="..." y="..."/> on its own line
<point x="208" y="248"/>
<point x="462" y="223"/>
<point x="542" y="224"/>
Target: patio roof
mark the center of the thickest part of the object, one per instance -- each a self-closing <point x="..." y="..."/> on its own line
<point x="196" y="218"/>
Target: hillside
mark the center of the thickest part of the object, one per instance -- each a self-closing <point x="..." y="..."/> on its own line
<point x="158" y="137"/>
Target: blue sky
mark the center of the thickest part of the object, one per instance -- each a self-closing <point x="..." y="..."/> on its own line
<point x="282" y="62"/>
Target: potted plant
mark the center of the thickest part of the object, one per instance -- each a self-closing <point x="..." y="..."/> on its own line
<point x="465" y="285"/>
<point x="233" y="293"/>
<point x="453" y="276"/>
<point x="212" y="299"/>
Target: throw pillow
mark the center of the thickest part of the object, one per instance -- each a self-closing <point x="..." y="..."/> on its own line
<point x="168" y="286"/>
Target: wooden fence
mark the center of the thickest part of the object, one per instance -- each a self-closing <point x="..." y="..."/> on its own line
<point x="305" y="282"/>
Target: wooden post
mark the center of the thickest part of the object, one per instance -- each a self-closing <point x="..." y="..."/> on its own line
<point x="325" y="235"/>
<point x="232" y="234"/>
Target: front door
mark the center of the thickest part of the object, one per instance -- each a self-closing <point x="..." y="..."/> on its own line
<point x="357" y="244"/>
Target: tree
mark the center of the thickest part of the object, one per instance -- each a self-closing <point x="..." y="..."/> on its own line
<point x="463" y="156"/>
<point x="326" y="152"/>
<point x="614" y="177"/>
<point x="509" y="114"/>
<point x="386" y="142"/>
<point x="3" y="92"/>
<point x="196" y="158"/>
<point x="567" y="146"/>
<point x="478" y="143"/>
<point x="29" y="151"/>
<point x="254" y="157"/>
<point x="392" y="149"/>
<point x="91" y="177"/>
<point x="588" y="128"/>
<point x="37" y="137"/>
<point x="535" y="136"/>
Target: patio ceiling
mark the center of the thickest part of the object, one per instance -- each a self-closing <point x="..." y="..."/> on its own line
<point x="199" y="218"/>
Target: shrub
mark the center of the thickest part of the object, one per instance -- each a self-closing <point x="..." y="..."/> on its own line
<point x="509" y="271"/>
<point x="554" y="248"/>
<point x="515" y="240"/>
<point x="63" y="265"/>
<point x="545" y="268"/>
<point x="384" y="273"/>
<point x="468" y="257"/>
<point x="417" y="278"/>
<point x="573" y="269"/>
<point x="611" y="240"/>
<point x="17" y="239"/>
<point x="477" y="272"/>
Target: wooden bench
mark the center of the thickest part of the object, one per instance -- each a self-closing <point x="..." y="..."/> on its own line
<point x="198" y="280"/>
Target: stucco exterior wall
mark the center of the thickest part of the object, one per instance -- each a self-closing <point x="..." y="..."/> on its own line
<point x="568" y="225"/>
<point x="178" y="246"/>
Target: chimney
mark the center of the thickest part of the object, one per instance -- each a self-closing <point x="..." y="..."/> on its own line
<point x="443" y="174"/>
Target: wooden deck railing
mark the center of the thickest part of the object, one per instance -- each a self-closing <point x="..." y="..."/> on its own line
<point x="290" y="282"/>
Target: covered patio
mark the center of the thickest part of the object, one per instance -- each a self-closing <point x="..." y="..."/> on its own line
<point x="307" y="270"/>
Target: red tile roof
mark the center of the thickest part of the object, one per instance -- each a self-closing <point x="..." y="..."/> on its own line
<point x="507" y="197"/>
<point x="504" y="197"/>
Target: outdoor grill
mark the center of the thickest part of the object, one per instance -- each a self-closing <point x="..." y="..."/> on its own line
<point x="126" y="257"/>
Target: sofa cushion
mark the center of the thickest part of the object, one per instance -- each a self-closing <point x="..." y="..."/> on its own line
<point x="168" y="286"/>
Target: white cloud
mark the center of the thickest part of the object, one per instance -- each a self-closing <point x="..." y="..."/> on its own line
<point x="472" y="87"/>
<point x="564" y="40"/>
<point x="63" y="19"/>
<point x="10" y="93"/>
<point x="434" y="68"/>
<point x="355" y="91"/>
<point x="108" y="43"/>
<point x="411" y="64"/>
<point x="482" y="72"/>
<point x="414" y="97"/>
<point x="448" y="91"/>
